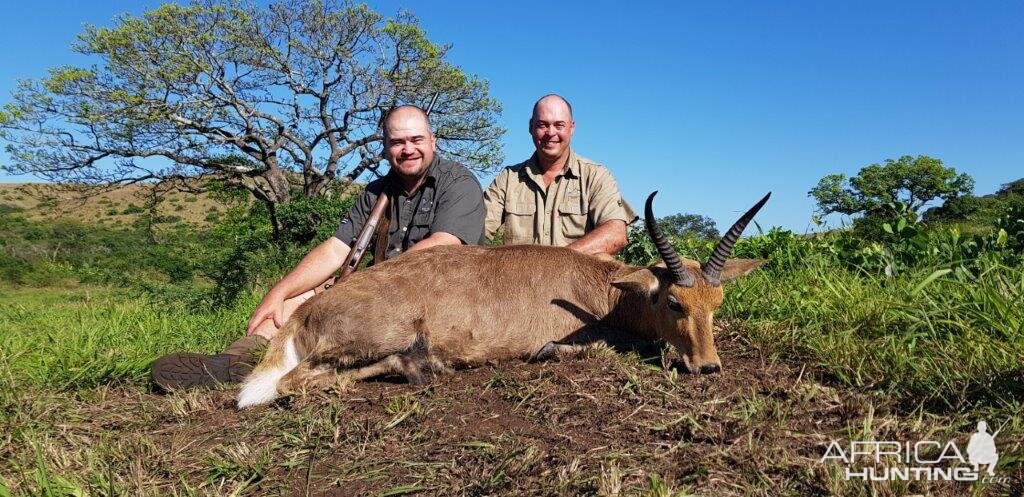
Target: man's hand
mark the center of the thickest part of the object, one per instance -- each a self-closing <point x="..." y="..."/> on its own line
<point x="296" y="286"/>
<point x="271" y="307"/>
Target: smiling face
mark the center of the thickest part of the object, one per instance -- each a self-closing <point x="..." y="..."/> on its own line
<point x="409" y="144"/>
<point x="552" y="127"/>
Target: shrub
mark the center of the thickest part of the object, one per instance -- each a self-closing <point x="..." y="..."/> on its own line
<point x="9" y="209"/>
<point x="245" y="253"/>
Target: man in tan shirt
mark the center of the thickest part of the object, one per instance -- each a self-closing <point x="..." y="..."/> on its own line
<point x="557" y="197"/>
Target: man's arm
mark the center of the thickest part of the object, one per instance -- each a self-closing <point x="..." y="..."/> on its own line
<point x="608" y="238"/>
<point x="609" y="212"/>
<point x="435" y="239"/>
<point x="318" y="265"/>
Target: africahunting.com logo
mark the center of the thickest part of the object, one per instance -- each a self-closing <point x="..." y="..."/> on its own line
<point x="920" y="460"/>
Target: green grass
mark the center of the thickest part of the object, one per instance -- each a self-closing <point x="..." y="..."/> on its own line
<point x="65" y="348"/>
<point x="79" y="420"/>
<point x="79" y="338"/>
<point x="924" y="353"/>
<point x="948" y="339"/>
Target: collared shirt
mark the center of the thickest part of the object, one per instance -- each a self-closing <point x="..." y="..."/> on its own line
<point x="449" y="201"/>
<point x="583" y="196"/>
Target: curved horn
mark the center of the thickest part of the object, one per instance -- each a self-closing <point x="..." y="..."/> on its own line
<point x="712" y="269"/>
<point x="668" y="254"/>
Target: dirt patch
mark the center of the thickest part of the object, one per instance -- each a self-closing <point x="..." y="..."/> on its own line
<point x="600" y="424"/>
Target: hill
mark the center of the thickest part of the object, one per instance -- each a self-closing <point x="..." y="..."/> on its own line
<point x="974" y="213"/>
<point x="120" y="207"/>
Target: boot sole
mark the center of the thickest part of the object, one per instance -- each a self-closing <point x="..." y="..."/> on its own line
<point x="183" y="371"/>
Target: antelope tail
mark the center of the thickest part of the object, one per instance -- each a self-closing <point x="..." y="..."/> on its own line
<point x="260" y="387"/>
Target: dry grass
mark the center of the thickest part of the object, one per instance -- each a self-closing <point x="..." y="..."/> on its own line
<point x="602" y="424"/>
<point x="118" y="207"/>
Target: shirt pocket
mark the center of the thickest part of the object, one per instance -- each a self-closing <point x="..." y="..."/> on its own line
<point x="421" y="221"/>
<point x="572" y="218"/>
<point x="519" y="222"/>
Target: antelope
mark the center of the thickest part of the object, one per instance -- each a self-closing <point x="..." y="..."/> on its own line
<point x="458" y="306"/>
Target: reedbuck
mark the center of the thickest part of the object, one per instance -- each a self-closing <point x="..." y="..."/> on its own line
<point x="458" y="306"/>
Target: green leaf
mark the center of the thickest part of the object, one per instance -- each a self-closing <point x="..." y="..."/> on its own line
<point x="931" y="277"/>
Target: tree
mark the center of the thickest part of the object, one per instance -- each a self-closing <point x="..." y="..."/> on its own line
<point x="908" y="180"/>
<point x="981" y="211"/>
<point x="1015" y="187"/>
<point x="692" y="224"/>
<point x="269" y="99"/>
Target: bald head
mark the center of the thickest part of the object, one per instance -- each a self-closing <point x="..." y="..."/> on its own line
<point x="552" y="100"/>
<point x="405" y="115"/>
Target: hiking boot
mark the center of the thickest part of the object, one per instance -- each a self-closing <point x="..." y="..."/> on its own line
<point x="186" y="370"/>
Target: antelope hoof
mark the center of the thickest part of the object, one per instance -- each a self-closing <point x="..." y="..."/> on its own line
<point x="548" y="352"/>
<point x="412" y="372"/>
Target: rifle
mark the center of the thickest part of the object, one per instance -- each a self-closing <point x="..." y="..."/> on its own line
<point x="370" y="227"/>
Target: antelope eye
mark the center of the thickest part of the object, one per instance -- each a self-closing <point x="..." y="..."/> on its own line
<point x="674" y="304"/>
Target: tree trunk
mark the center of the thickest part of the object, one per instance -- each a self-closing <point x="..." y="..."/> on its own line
<point x="280" y="193"/>
<point x="279" y="185"/>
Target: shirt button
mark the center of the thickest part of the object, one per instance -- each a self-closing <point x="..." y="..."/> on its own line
<point x="405" y="229"/>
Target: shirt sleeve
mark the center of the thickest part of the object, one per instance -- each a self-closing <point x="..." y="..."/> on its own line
<point x="460" y="210"/>
<point x="356" y="217"/>
<point x="494" y="203"/>
<point x="606" y="202"/>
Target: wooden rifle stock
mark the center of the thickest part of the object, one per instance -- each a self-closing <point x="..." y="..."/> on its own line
<point x="363" y="241"/>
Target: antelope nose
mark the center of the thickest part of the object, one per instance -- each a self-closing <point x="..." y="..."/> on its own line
<point x="711" y="367"/>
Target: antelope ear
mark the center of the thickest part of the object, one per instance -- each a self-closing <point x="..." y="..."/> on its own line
<point x="738" y="268"/>
<point x="642" y="280"/>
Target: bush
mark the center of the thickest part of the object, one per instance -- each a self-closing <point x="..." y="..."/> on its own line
<point x="9" y="209"/>
<point x="640" y="250"/>
<point x="899" y="243"/>
<point x="42" y="252"/>
<point x="308" y="219"/>
<point x="245" y="253"/>
<point x="166" y="259"/>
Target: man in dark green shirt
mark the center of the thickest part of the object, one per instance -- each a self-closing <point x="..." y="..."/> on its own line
<point x="433" y="202"/>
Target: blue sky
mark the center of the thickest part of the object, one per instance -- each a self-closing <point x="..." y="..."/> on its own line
<point x="712" y="103"/>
